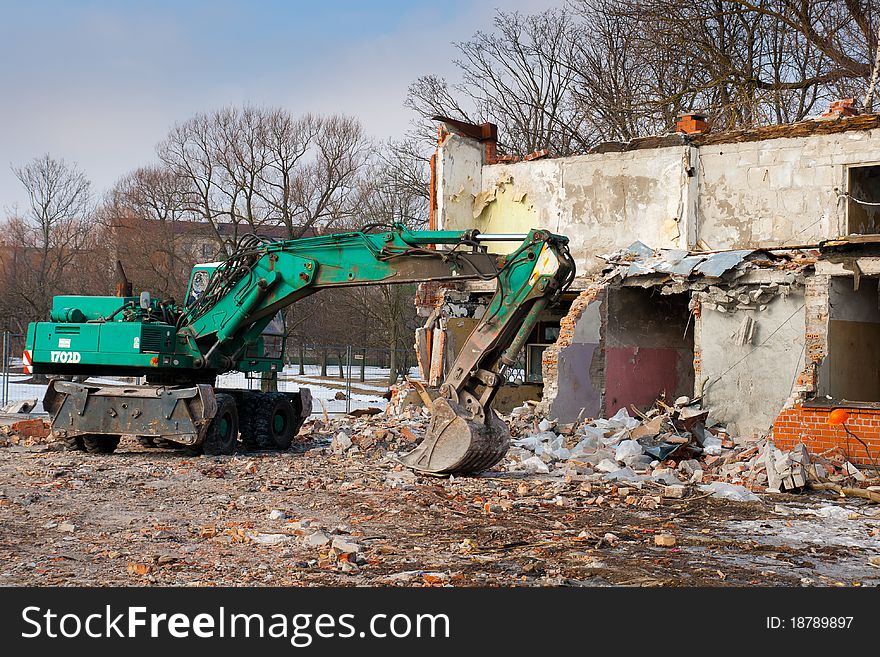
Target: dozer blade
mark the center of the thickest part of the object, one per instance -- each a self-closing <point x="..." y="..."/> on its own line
<point x="456" y="444"/>
<point x="178" y="414"/>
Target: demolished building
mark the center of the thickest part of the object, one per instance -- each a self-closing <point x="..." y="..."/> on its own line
<point x="709" y="265"/>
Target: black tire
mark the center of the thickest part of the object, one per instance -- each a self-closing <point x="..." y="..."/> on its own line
<point x="222" y="434"/>
<point x="100" y="444"/>
<point x="274" y="421"/>
<point x="247" y="404"/>
<point x="74" y="444"/>
<point x="147" y="441"/>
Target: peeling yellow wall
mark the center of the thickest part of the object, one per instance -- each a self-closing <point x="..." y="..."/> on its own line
<point x="503" y="209"/>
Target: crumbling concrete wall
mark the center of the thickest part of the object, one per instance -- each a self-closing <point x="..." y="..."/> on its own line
<point x="747" y="371"/>
<point x="745" y="192"/>
<point x="458" y="177"/>
<point x="602" y="202"/>
<point x="778" y="191"/>
<point x="572" y="367"/>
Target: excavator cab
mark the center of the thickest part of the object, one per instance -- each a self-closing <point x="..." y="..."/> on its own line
<point x="199" y="280"/>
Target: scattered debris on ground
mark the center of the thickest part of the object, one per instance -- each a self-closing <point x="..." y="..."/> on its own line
<point x="661" y="500"/>
<point x="34" y="431"/>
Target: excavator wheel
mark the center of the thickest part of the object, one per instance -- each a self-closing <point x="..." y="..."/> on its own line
<point x="274" y="421"/>
<point x="74" y="444"/>
<point x="457" y="444"/>
<point x="222" y="433"/>
<point x="247" y="404"/>
<point x="100" y="444"/>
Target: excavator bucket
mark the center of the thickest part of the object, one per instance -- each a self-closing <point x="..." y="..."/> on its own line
<point x="457" y="444"/>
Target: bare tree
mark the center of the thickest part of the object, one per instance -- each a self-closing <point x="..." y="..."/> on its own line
<point x="618" y="69"/>
<point x="617" y="81"/>
<point x="190" y="151"/>
<point x="145" y="216"/>
<point x="393" y="189"/>
<point x="519" y="76"/>
<point x="44" y="243"/>
<point x="752" y="62"/>
<point x="313" y="171"/>
<point x="410" y="164"/>
<point x="242" y="156"/>
<point x="249" y="167"/>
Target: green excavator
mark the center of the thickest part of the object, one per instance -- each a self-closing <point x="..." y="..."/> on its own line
<point x="229" y="322"/>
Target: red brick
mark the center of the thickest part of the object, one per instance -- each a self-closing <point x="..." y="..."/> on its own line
<point x="31" y="428"/>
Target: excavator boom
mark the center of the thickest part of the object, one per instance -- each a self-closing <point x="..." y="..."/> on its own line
<point x="227" y="322"/>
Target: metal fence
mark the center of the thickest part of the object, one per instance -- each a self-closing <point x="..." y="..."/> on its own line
<point x="15" y="384"/>
<point x="345" y="377"/>
<point x="340" y="378"/>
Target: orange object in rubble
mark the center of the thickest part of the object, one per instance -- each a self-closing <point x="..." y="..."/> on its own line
<point x="838" y="416"/>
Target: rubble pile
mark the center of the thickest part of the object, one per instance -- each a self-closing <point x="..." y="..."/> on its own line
<point x="368" y="436"/>
<point x="674" y="449"/>
<point x="676" y="270"/>
<point x="26" y="433"/>
<point x="675" y="445"/>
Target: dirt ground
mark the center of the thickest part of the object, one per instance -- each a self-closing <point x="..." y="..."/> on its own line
<point x="154" y="517"/>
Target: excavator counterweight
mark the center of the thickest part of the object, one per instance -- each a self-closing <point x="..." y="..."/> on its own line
<point x="231" y="321"/>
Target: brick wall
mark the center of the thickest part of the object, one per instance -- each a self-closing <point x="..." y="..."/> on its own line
<point x="810" y="426"/>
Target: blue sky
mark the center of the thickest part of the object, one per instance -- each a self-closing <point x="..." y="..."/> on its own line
<point x="100" y="82"/>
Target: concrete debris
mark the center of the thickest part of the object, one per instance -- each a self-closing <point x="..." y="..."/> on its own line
<point x="630" y="452"/>
<point x="746" y="333"/>
<point x="727" y="491"/>
<point x="676" y="264"/>
<point x="725" y="281"/>
<point x="317" y="539"/>
<point x="534" y="464"/>
<point x="675" y="491"/>
<point x="20" y="406"/>
<point x="546" y="425"/>
<point x="269" y="539"/>
<point x="675" y="446"/>
<point x="344" y="545"/>
<point x="854" y="472"/>
<point x="341" y="442"/>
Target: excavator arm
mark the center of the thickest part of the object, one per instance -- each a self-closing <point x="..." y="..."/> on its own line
<point x="259" y="279"/>
<point x="464" y="435"/>
<point x="231" y="303"/>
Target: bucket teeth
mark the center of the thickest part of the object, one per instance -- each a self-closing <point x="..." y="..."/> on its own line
<point x="456" y="444"/>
